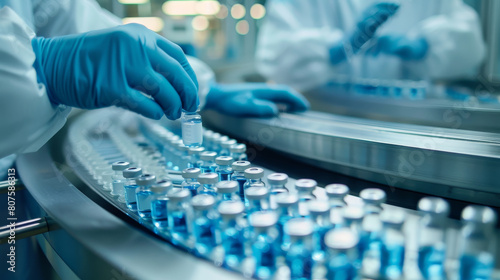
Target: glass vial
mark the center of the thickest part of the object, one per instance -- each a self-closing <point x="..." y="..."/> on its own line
<point x="192" y="129"/>
<point x="130" y="174"/>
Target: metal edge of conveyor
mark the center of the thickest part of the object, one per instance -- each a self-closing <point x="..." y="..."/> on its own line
<point x="95" y="244"/>
<point x="439" y="161"/>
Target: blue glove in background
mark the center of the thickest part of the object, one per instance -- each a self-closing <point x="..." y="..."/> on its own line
<point x="112" y="67"/>
<point x="372" y="18"/>
<point x="254" y="99"/>
<point x="400" y="46"/>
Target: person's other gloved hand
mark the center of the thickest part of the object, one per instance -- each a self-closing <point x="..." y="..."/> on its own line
<point x="372" y="18"/>
<point x="254" y="99"/>
<point x="401" y="46"/>
<point x="112" y="67"/>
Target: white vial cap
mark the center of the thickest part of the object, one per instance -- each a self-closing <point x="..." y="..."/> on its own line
<point x="286" y="199"/>
<point x="228" y="144"/>
<point x="256" y="193"/>
<point x="177" y="194"/>
<point x="341" y="239"/>
<point x="353" y="213"/>
<point x="277" y="179"/>
<point x="337" y="190"/>
<point x="191" y="173"/>
<point x="224" y="160"/>
<point x="146" y="180"/>
<point x="238" y="148"/>
<point x="479" y="214"/>
<point x="305" y="185"/>
<point x="132" y="172"/>
<point x="161" y="186"/>
<point x="393" y="218"/>
<point x="196" y="150"/>
<point x="254" y="173"/>
<point x="263" y="219"/>
<point x="207" y="134"/>
<point x="434" y="205"/>
<point x="120" y="165"/>
<point x="318" y="207"/>
<point x="373" y="196"/>
<point x="231" y="208"/>
<point x="240" y="165"/>
<point x="203" y="201"/>
<point x="208" y="156"/>
<point x="208" y="178"/>
<point x="227" y="186"/>
<point x="299" y="227"/>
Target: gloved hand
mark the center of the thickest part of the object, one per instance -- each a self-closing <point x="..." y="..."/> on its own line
<point x="254" y="99"/>
<point x="112" y="67"/>
<point x="400" y="46"/>
<point x="372" y="18"/>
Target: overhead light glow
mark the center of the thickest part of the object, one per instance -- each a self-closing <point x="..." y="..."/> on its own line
<point x="154" y="23"/>
<point x="208" y="8"/>
<point x="180" y="8"/>
<point x="222" y="14"/>
<point x="130" y="2"/>
<point x="257" y="11"/>
<point x="238" y="11"/>
<point x="242" y="27"/>
<point x="200" y="23"/>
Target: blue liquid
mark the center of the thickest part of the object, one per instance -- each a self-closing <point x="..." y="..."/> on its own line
<point x="300" y="262"/>
<point x="232" y="242"/>
<point x="144" y="204"/>
<point x="282" y="239"/>
<point x="319" y="237"/>
<point x="476" y="267"/>
<point x="130" y="197"/>
<point x="264" y="254"/>
<point x="208" y="168"/>
<point x="178" y="225"/>
<point x="369" y="241"/>
<point x="204" y="232"/>
<point x="392" y="260"/>
<point x="224" y="175"/>
<point x="208" y="189"/>
<point x="159" y="213"/>
<point x="339" y="268"/>
<point x="431" y="262"/>
<point x="241" y="181"/>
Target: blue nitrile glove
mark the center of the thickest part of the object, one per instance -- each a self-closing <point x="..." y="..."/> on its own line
<point x="254" y="99"/>
<point x="114" y="67"/>
<point x="401" y="46"/>
<point x="371" y="19"/>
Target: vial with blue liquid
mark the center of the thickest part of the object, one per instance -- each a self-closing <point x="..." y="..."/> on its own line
<point x="299" y="257"/>
<point x="194" y="157"/>
<point x="253" y="175"/>
<point x="238" y="152"/>
<point x="180" y="215"/>
<point x="226" y="147"/>
<point x="144" y="195"/>
<point x="431" y="237"/>
<point x="192" y="129"/>
<point x="232" y="232"/>
<point x="207" y="182"/>
<point x="227" y="191"/>
<point x="336" y="198"/>
<point x="264" y="247"/>
<point x="319" y="212"/>
<point x="224" y="169"/>
<point x="205" y="223"/>
<point x="118" y="184"/>
<point x="342" y="254"/>
<point x="353" y="219"/>
<point x="190" y="182"/>
<point x="369" y="239"/>
<point x="393" y="244"/>
<point x="258" y="199"/>
<point x="277" y="184"/>
<point x="239" y="168"/>
<point x="208" y="161"/>
<point x="305" y="189"/>
<point x="288" y="208"/>
<point x="159" y="203"/>
<point x="130" y="174"/>
<point x="477" y="252"/>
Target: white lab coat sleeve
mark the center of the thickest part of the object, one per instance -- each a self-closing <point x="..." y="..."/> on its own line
<point x="456" y="46"/>
<point x="293" y="48"/>
<point x="205" y="77"/>
<point x="28" y="119"/>
<point x="63" y="17"/>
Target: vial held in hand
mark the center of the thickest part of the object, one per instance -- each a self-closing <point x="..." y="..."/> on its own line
<point x="192" y="129"/>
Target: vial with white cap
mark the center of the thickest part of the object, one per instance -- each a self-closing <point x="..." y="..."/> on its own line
<point x="208" y="161"/>
<point x="277" y="184"/>
<point x="218" y="143"/>
<point x="144" y="195"/>
<point x="258" y="199"/>
<point x="336" y="194"/>
<point x="227" y="191"/>
<point x="353" y="218"/>
<point x="319" y="211"/>
<point x="224" y="169"/>
<point x="369" y="239"/>
<point x="204" y="223"/>
<point x="239" y="168"/>
<point x="226" y="147"/>
<point x="238" y="152"/>
<point x="208" y="181"/>
<point x="288" y="208"/>
<point x="342" y="254"/>
<point x="192" y="129"/>
<point x="180" y="214"/>
<point x="305" y="188"/>
<point x="118" y="184"/>
<point x="431" y="237"/>
<point x="130" y="174"/>
<point x="264" y="247"/>
<point x="232" y="232"/>
<point x="190" y="182"/>
<point x="159" y="203"/>
<point x="477" y="256"/>
<point x="194" y="157"/>
<point x="253" y="176"/>
<point x="393" y="244"/>
<point x="299" y="256"/>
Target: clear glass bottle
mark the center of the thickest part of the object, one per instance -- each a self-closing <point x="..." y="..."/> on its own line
<point x="277" y="184"/>
<point x="431" y="237"/>
<point x="342" y="254"/>
<point x="118" y="185"/>
<point x="208" y="181"/>
<point x="239" y="168"/>
<point x="254" y="178"/>
<point x="370" y="237"/>
<point x="130" y="174"/>
<point x="305" y="189"/>
<point x="180" y="215"/>
<point x="264" y="247"/>
<point x="208" y="161"/>
<point x="190" y="182"/>
<point x="477" y="256"/>
<point x="258" y="199"/>
<point x="319" y="211"/>
<point x="144" y="195"/>
<point x="299" y="256"/>
<point x="288" y="208"/>
<point x="224" y="169"/>
<point x="159" y="203"/>
<point x="393" y="244"/>
<point x="204" y="223"/>
<point x="226" y="147"/>
<point x="232" y="232"/>
<point x="227" y="191"/>
<point x="336" y="194"/>
<point x="194" y="157"/>
<point x="238" y="152"/>
<point x="353" y="219"/>
<point x="192" y="129"/>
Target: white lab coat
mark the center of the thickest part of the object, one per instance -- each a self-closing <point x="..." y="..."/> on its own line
<point x="27" y="118"/>
<point x="295" y="38"/>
